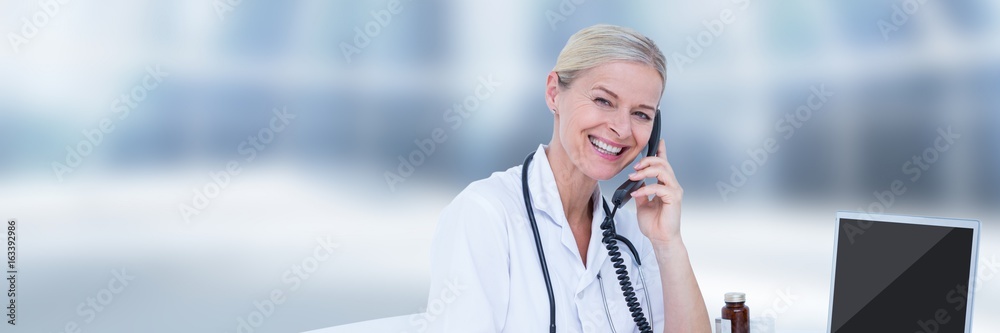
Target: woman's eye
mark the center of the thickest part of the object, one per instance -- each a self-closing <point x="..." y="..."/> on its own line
<point x="642" y="115"/>
<point x="602" y="101"/>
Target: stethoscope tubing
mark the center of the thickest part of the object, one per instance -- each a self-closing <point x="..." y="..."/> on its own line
<point x="544" y="264"/>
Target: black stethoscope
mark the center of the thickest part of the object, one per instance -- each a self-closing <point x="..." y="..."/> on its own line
<point x="610" y="240"/>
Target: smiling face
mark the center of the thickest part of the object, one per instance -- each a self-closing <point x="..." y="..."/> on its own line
<point x="605" y="116"/>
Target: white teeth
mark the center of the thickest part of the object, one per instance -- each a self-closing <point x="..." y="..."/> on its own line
<point x="604" y="147"/>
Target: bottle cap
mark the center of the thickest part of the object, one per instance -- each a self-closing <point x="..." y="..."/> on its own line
<point x="736" y="297"/>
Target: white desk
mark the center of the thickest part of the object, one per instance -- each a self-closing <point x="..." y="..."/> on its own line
<point x="387" y="325"/>
<point x="401" y="324"/>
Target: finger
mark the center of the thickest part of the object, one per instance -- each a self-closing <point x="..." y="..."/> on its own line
<point x="661" y="150"/>
<point x="644" y="193"/>
<point x="666" y="194"/>
<point x="663" y="180"/>
<point x="660" y="171"/>
<point x="638" y="193"/>
<point x="641" y="200"/>
<point x="652" y="171"/>
<point x="660" y="158"/>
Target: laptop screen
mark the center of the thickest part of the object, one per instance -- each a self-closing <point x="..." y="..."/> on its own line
<point x="900" y="277"/>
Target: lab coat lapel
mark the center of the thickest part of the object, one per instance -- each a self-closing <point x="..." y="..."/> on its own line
<point x="544" y="192"/>
<point x="597" y="255"/>
<point x="545" y="196"/>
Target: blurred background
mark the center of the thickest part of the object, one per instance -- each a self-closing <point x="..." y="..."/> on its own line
<point x="121" y="123"/>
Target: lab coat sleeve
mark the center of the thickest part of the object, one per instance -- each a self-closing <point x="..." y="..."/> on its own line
<point x="470" y="279"/>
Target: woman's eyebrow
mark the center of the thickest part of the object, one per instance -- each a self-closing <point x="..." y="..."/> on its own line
<point x="641" y="106"/>
<point x="607" y="91"/>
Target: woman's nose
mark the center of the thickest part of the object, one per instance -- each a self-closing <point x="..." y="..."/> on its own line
<point x="620" y="125"/>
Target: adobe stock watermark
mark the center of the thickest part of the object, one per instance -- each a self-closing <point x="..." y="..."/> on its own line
<point x="221" y="179"/>
<point x="566" y="8"/>
<point x="12" y="273"/>
<point x="784" y="301"/>
<point x="958" y="297"/>
<point x="899" y="17"/>
<point x="90" y="307"/>
<point x="436" y="306"/>
<point x="456" y="115"/>
<point x="916" y="166"/>
<point x="293" y="277"/>
<point x="123" y="106"/>
<point x="39" y="20"/>
<point x="596" y="320"/>
<point x="704" y="39"/>
<point x="784" y="127"/>
<point x="373" y="28"/>
<point x="223" y="6"/>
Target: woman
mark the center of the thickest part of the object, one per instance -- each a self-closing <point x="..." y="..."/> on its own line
<point x="486" y="269"/>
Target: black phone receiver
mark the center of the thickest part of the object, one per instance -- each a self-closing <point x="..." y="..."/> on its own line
<point x="624" y="192"/>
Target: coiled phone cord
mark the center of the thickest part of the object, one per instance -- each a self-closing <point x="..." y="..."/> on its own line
<point x="610" y="240"/>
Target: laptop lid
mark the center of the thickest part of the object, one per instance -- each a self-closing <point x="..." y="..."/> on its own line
<point x="902" y="274"/>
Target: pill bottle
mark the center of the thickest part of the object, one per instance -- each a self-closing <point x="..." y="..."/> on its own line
<point x="737" y="312"/>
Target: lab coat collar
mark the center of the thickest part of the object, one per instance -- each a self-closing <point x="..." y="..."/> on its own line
<point x="542" y="185"/>
<point x="545" y="192"/>
<point x="545" y="197"/>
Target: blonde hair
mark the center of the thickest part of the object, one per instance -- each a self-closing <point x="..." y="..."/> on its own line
<point x="603" y="43"/>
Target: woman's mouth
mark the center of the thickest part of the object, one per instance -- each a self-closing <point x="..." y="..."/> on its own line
<point x="605" y="149"/>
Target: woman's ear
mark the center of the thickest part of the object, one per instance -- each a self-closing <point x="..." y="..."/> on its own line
<point x="552" y="91"/>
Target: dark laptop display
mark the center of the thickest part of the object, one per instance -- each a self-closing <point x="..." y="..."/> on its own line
<point x="901" y="277"/>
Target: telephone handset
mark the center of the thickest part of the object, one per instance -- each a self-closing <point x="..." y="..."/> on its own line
<point x="623" y="193"/>
<point x="611" y="237"/>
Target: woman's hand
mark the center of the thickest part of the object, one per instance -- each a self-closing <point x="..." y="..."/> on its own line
<point x="660" y="221"/>
<point x="659" y="218"/>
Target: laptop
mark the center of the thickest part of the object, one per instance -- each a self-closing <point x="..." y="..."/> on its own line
<point x="903" y="274"/>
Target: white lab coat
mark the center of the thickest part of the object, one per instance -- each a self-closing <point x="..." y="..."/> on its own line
<point x="486" y="276"/>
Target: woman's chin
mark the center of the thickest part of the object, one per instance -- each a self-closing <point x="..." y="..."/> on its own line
<point x="604" y="174"/>
<point x="601" y="169"/>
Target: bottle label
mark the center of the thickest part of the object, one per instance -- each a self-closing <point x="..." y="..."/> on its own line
<point x="723" y="325"/>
